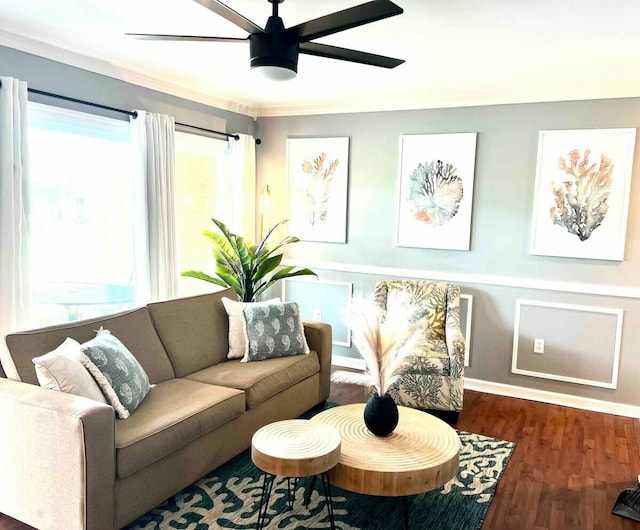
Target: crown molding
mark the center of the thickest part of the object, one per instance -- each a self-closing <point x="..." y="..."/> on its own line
<point x="422" y="101"/>
<point x="118" y="71"/>
<point x="452" y="100"/>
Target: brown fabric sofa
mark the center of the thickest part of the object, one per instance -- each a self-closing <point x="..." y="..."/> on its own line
<point x="67" y="462"/>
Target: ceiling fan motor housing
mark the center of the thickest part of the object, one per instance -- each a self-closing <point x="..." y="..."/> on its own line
<point x="274" y="47"/>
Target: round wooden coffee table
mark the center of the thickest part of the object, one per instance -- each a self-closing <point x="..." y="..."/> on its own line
<point x="421" y="454"/>
<point x="292" y="449"/>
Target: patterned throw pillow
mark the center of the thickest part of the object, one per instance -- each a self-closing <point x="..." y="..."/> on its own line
<point x="273" y="330"/>
<point x="118" y="374"/>
<point x="237" y="334"/>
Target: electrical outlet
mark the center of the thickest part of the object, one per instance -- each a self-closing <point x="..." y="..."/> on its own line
<point x="317" y="314"/>
<point x="538" y="346"/>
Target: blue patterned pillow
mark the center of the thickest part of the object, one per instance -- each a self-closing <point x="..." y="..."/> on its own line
<point x="273" y="330"/>
<point x="118" y="373"/>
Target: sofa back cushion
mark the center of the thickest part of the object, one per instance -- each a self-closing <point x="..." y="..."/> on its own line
<point x="194" y="330"/>
<point x="134" y="329"/>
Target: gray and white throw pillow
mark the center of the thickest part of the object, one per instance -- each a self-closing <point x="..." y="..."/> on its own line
<point x="273" y="330"/>
<point x="237" y="333"/>
<point x="118" y="373"/>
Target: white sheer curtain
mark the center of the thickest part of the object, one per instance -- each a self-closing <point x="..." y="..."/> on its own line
<point x="15" y="291"/>
<point x="242" y="171"/>
<point x="154" y="139"/>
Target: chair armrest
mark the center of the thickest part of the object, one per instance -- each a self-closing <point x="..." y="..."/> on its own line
<point x="58" y="458"/>
<point x="320" y="339"/>
<point x="454" y="338"/>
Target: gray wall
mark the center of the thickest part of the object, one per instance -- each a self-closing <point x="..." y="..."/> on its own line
<point x="498" y="270"/>
<point x="52" y="76"/>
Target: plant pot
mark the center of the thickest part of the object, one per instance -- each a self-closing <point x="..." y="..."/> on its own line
<point x="381" y="415"/>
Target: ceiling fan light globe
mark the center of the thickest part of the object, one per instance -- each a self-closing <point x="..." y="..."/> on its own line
<point x="275" y="73"/>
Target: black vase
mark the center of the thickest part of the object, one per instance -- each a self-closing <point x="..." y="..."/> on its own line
<point x="381" y="415"/>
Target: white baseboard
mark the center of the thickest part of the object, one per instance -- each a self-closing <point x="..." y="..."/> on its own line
<point x="554" y="398"/>
<point x="544" y="396"/>
<point x="347" y="362"/>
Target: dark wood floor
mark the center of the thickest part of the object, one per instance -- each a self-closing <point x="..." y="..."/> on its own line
<point x="565" y="473"/>
<point x="566" y="470"/>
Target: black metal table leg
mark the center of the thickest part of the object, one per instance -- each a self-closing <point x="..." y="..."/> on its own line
<point x="307" y="495"/>
<point x="291" y="495"/>
<point x="326" y="485"/>
<point x="267" y="486"/>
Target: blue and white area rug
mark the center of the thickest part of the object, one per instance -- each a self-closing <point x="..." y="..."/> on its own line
<point x="229" y="497"/>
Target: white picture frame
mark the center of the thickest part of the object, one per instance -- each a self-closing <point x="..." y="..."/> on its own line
<point x="318" y="177"/>
<point x="435" y="195"/>
<point x="560" y="226"/>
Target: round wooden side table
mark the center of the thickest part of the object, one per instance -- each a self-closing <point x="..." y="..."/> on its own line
<point x="421" y="454"/>
<point x="293" y="449"/>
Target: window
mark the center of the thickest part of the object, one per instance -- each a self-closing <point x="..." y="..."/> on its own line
<point x="86" y="212"/>
<point x="81" y="210"/>
<point x="203" y="191"/>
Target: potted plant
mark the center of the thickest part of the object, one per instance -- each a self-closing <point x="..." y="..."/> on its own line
<point x="384" y="340"/>
<point x="247" y="268"/>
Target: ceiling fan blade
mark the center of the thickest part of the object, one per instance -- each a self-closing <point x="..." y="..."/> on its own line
<point x="232" y="16"/>
<point x="154" y="36"/>
<point x="345" y="19"/>
<point x="345" y="54"/>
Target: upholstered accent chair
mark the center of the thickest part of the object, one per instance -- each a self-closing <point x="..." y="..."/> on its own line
<point x="432" y="378"/>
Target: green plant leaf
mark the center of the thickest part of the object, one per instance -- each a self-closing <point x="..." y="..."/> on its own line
<point x="288" y="272"/>
<point x="218" y="240"/>
<point x="231" y="263"/>
<point x="224" y="229"/>
<point x="231" y="281"/>
<point x="245" y="266"/>
<point x="266" y="266"/>
<point x="243" y="254"/>
<point x="203" y="276"/>
<point x="263" y="243"/>
<point x="285" y="272"/>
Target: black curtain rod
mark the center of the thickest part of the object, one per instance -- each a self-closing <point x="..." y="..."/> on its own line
<point x="133" y="113"/>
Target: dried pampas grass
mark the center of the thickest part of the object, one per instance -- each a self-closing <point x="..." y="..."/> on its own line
<point x="383" y="339"/>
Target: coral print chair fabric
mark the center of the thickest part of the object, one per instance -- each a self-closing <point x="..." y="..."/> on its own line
<point x="433" y="377"/>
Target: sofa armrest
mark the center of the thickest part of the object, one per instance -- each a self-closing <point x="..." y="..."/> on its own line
<point x="320" y="339"/>
<point x="58" y="458"/>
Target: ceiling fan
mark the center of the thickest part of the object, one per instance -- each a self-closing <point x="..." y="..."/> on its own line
<point x="274" y="50"/>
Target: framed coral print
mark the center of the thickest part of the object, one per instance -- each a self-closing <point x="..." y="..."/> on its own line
<point x="581" y="197"/>
<point x="318" y="170"/>
<point x="436" y="190"/>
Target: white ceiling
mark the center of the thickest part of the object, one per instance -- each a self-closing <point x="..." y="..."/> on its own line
<point x="457" y="52"/>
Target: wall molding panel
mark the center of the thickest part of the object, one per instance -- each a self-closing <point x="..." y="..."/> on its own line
<point x="616" y="291"/>
<point x="612" y="381"/>
<point x="322" y="292"/>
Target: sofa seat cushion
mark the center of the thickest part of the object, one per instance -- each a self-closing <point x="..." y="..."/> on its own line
<point x="174" y="413"/>
<point x="260" y="380"/>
